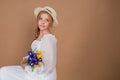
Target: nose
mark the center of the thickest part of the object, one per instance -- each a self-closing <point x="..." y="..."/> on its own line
<point x="43" y="21"/>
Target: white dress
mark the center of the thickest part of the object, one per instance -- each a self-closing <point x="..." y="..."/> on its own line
<point x="48" y="69"/>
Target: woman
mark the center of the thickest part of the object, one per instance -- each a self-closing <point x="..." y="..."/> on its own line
<point x="46" y="42"/>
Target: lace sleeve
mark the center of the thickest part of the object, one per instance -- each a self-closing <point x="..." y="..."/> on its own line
<point x="49" y="55"/>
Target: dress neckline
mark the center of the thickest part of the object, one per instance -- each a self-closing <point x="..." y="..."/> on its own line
<point x="44" y="37"/>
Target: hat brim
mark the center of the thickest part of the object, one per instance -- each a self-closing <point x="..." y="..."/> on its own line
<point x="39" y="9"/>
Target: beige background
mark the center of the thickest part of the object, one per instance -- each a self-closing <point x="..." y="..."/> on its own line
<point x="88" y="36"/>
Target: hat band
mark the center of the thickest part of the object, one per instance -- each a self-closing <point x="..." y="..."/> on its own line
<point x="49" y="11"/>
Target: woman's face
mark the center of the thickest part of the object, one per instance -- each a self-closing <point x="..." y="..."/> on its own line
<point x="44" y="21"/>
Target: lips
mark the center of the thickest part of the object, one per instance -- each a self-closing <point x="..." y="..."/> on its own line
<point x="42" y="25"/>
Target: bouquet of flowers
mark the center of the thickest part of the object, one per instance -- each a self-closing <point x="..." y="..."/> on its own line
<point x="34" y="59"/>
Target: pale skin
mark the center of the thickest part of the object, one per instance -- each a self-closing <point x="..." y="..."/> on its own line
<point x="45" y="23"/>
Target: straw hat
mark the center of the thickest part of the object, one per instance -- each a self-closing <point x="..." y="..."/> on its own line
<point x="49" y="10"/>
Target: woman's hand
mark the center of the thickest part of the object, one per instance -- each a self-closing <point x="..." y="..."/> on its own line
<point x="23" y="63"/>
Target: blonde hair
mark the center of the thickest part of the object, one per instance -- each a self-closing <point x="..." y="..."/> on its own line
<point x="37" y="30"/>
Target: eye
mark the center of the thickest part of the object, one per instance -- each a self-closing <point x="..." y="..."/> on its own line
<point x="40" y="18"/>
<point x="47" y="20"/>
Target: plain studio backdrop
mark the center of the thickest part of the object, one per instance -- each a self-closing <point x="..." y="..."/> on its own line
<point x="88" y="36"/>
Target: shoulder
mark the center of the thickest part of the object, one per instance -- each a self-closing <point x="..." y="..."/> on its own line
<point x="50" y="37"/>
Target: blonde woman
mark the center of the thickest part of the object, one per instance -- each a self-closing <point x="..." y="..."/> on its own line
<point x="46" y="42"/>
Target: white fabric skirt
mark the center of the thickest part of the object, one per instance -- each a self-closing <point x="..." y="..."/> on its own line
<point x="17" y="73"/>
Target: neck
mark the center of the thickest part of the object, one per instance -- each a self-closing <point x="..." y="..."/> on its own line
<point x="45" y="32"/>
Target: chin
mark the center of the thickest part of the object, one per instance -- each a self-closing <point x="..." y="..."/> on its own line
<point x="42" y="29"/>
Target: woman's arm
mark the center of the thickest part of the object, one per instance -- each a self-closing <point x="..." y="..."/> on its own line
<point x="49" y="55"/>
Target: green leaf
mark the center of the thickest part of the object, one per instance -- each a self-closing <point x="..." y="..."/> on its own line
<point x="33" y="69"/>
